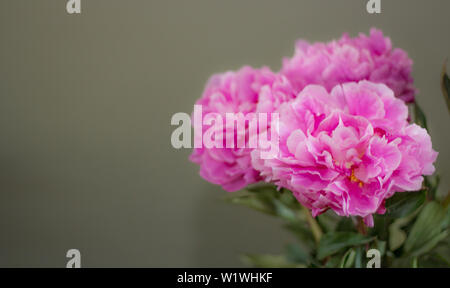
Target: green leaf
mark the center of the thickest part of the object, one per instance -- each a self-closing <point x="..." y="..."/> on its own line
<point x="430" y="244"/>
<point x="348" y="259"/>
<point x="346" y="225"/>
<point x="302" y="232"/>
<point x="438" y="258"/>
<point x="401" y="262"/>
<point x="404" y="203"/>
<point x="262" y="188"/>
<point x="381" y="246"/>
<point x="446" y="223"/>
<point x="267" y="199"/>
<point x="283" y="211"/>
<point x="333" y="261"/>
<point x="396" y="235"/>
<point x="269" y="261"/>
<point x="328" y="221"/>
<point x="331" y="243"/>
<point x="260" y="204"/>
<point x="434" y="261"/>
<point x="380" y="228"/>
<point x="432" y="183"/>
<point x="419" y="116"/>
<point x="297" y="254"/>
<point x="359" y="261"/>
<point x="445" y="85"/>
<point x="287" y="198"/>
<point x="426" y="230"/>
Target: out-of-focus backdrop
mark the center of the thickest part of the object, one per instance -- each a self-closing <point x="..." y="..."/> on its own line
<point x="85" y="106"/>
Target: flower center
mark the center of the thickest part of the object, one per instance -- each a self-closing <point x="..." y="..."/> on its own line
<point x="353" y="178"/>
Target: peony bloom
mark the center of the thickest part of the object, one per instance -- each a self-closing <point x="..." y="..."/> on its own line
<point x="351" y="59"/>
<point x="347" y="150"/>
<point x="245" y="91"/>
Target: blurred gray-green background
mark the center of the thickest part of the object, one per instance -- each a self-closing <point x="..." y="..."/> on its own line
<point x="85" y="108"/>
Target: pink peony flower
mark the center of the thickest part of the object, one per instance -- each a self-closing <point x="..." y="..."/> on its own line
<point x="347" y="150"/>
<point x="245" y="91"/>
<point x="351" y="59"/>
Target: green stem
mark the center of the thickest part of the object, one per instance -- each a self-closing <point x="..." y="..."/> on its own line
<point x="315" y="228"/>
<point x="361" y="227"/>
<point x="415" y="263"/>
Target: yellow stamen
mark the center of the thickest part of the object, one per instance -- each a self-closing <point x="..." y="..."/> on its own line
<point x="353" y="178"/>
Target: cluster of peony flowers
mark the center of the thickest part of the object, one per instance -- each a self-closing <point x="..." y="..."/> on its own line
<point x="345" y="142"/>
